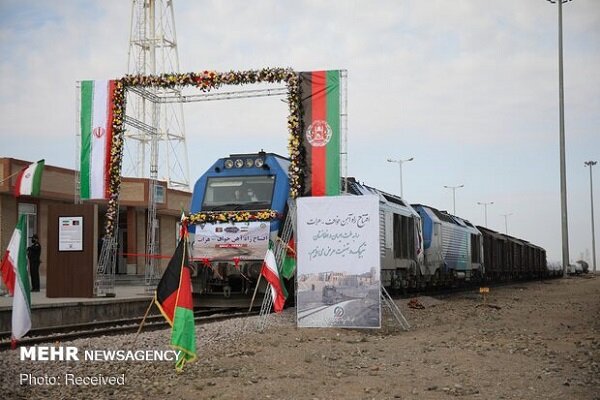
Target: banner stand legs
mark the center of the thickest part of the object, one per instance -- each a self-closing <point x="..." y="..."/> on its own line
<point x="389" y="303"/>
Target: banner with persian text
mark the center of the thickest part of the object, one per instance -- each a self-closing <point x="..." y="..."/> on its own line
<point x="245" y="240"/>
<point x="338" y="262"/>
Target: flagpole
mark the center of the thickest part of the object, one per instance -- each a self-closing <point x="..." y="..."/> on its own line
<point x="10" y="176"/>
<point x="254" y="295"/>
<point x="19" y="171"/>
<point x="143" y="321"/>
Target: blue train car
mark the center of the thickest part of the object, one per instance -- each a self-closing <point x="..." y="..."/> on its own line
<point x="453" y="246"/>
<point x="240" y="182"/>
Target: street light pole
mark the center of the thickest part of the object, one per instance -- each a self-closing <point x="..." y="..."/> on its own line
<point x="454" y="196"/>
<point x="591" y="164"/>
<point x="484" y="204"/>
<point x="506" y="221"/>
<point x="563" y="175"/>
<point x="400" y="162"/>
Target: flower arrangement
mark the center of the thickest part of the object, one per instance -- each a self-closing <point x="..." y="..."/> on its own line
<point x="232" y="216"/>
<point x="206" y="81"/>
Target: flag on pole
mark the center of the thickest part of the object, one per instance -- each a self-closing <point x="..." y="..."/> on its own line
<point x="321" y="139"/>
<point x="16" y="279"/>
<point x="289" y="261"/>
<point x="174" y="299"/>
<point x="96" y="117"/>
<point x="29" y="180"/>
<point x="269" y="271"/>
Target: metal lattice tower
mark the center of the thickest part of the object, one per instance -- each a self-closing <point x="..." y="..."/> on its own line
<point x="153" y="51"/>
<point x="155" y="145"/>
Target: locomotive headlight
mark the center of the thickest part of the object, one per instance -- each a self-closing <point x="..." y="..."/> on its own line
<point x="259" y="162"/>
<point x="239" y="163"/>
<point x="249" y="162"/>
<point x="228" y="163"/>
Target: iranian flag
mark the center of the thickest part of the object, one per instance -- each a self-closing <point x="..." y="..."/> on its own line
<point x="174" y="299"/>
<point x="269" y="271"/>
<point x="96" y="137"/>
<point x="16" y="279"/>
<point x="320" y="91"/>
<point x="29" y="180"/>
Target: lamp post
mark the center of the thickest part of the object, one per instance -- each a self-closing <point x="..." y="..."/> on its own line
<point x="591" y="164"/>
<point x="400" y="162"/>
<point x="506" y="221"/>
<point x="561" y="113"/>
<point x="484" y="204"/>
<point x="454" y="196"/>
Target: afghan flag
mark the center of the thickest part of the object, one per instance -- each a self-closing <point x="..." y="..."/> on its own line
<point x="269" y="271"/>
<point x="29" y="180"/>
<point x="288" y="265"/>
<point x="320" y="93"/>
<point x="16" y="279"/>
<point x="174" y="299"/>
<point x="96" y="117"/>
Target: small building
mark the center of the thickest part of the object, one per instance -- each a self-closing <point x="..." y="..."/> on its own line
<point x="58" y="187"/>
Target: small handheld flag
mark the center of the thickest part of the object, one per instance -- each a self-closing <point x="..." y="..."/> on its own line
<point x="269" y="271"/>
<point x="174" y="299"/>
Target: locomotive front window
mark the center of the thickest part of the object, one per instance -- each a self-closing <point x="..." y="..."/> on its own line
<point x="235" y="193"/>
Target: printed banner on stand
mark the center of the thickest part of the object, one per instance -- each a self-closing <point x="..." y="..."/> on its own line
<point x="246" y="240"/>
<point x="338" y="259"/>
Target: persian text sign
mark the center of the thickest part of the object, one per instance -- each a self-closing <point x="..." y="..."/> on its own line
<point x="246" y="240"/>
<point x="338" y="262"/>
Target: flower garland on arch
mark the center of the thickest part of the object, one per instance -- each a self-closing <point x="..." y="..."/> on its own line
<point x="206" y="81"/>
<point x="232" y="216"/>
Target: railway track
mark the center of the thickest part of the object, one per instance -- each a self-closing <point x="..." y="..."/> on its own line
<point x="114" y="327"/>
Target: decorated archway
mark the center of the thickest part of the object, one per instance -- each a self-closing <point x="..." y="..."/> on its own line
<point x="205" y="81"/>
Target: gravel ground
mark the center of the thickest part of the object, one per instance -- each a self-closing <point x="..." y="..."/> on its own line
<point x="536" y="340"/>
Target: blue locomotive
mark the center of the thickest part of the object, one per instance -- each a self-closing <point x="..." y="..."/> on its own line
<point x="240" y="182"/>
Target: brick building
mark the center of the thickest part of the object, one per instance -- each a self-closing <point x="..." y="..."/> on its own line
<point x="58" y="187"/>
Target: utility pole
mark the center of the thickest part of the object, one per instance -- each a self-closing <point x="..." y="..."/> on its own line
<point x="400" y="162"/>
<point x="484" y="204"/>
<point x="563" y="174"/>
<point x="454" y="196"/>
<point x="506" y="221"/>
<point x="591" y="164"/>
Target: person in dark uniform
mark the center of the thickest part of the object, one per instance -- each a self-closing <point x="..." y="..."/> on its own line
<point x="33" y="254"/>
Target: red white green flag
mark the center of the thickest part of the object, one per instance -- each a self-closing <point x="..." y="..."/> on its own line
<point x="96" y="117"/>
<point x="29" y="180"/>
<point x="269" y="271"/>
<point x="174" y="299"/>
<point x="320" y="91"/>
<point x="16" y="279"/>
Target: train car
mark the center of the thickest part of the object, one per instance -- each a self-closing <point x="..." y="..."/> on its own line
<point x="400" y="237"/>
<point x="240" y="182"/>
<point x="507" y="258"/>
<point x="495" y="249"/>
<point x="453" y="246"/>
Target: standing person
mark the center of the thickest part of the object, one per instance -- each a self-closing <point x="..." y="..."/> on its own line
<point x="33" y="254"/>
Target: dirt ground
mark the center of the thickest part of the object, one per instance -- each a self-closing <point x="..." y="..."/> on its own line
<point x="530" y="341"/>
<point x="535" y="340"/>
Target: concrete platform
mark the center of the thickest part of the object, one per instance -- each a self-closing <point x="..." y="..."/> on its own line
<point x="129" y="302"/>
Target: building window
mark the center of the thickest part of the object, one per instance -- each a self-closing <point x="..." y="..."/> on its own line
<point x="159" y="194"/>
<point x="30" y="212"/>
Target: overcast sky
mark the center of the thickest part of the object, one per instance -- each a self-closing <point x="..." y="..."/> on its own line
<point x="467" y="88"/>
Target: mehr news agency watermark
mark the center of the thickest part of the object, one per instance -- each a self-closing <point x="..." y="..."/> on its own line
<point x="72" y="353"/>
